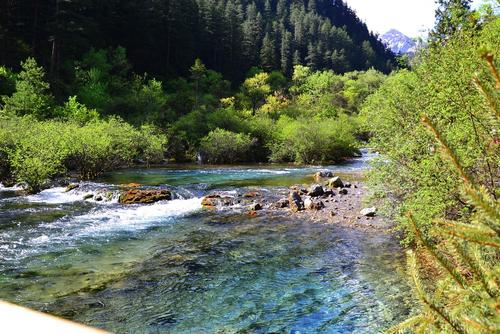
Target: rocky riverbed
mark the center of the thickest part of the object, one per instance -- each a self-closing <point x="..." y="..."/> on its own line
<point x="327" y="200"/>
<point x="206" y="249"/>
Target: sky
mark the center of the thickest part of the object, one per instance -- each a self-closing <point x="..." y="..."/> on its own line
<point x="411" y="17"/>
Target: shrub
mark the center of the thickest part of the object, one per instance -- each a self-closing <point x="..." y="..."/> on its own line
<point x="313" y="141"/>
<point x="34" y="151"/>
<point x="222" y="146"/>
<point x="76" y="112"/>
<point x="38" y="154"/>
<point x="105" y="145"/>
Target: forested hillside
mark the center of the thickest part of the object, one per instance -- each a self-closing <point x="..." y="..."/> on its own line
<point x="163" y="38"/>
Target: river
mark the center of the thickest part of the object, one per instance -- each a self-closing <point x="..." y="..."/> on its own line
<point x="172" y="267"/>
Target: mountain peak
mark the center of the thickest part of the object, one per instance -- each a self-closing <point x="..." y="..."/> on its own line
<point x="398" y="42"/>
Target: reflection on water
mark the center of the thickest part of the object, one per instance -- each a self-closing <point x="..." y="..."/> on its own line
<point x="174" y="268"/>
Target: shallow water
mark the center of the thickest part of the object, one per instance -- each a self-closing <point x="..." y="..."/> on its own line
<point x="172" y="267"/>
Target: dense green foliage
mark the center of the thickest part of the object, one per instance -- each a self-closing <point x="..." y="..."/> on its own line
<point x="440" y="86"/>
<point x="440" y="177"/>
<point x="39" y="140"/>
<point x="311" y="118"/>
<point x="36" y="151"/>
<point x="164" y="38"/>
<point x="222" y="146"/>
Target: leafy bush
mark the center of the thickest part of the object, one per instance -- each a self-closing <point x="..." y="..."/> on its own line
<point x="37" y="151"/>
<point x="222" y="146"/>
<point x="74" y="111"/>
<point x="415" y="178"/>
<point x="313" y="141"/>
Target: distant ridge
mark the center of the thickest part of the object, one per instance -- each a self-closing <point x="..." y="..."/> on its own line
<point x="398" y="42"/>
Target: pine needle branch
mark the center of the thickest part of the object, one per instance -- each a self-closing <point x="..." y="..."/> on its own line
<point x="468" y="232"/>
<point x="406" y="325"/>
<point x="440" y="311"/>
<point x="436" y="254"/>
<point x="476" y="267"/>
<point x="489" y="99"/>
<point x="489" y="59"/>
<point x="490" y="209"/>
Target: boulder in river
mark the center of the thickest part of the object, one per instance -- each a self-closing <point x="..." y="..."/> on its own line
<point x="214" y="200"/>
<point x="252" y="194"/>
<point x="369" y="212"/>
<point x="130" y="185"/>
<point x="322" y="174"/>
<point x="313" y="204"/>
<point x="295" y="201"/>
<point x="315" y="191"/>
<point x="210" y="200"/>
<point x="136" y="196"/>
<point x="335" y="182"/>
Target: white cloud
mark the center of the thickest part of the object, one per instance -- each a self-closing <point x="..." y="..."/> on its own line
<point x="411" y="17"/>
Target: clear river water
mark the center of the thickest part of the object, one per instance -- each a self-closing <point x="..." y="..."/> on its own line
<point x="172" y="267"/>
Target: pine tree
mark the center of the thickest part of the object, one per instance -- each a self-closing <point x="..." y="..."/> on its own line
<point x="312" y="56"/>
<point x="198" y="71"/>
<point x="267" y="53"/>
<point x="286" y="52"/>
<point x="297" y="58"/>
<point x="451" y="16"/>
<point x="32" y="95"/>
<point x="465" y="298"/>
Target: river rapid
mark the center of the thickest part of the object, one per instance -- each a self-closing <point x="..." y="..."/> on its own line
<point x="173" y="267"/>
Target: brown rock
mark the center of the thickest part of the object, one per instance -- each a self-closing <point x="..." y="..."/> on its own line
<point x="130" y="185"/>
<point x="136" y="196"/>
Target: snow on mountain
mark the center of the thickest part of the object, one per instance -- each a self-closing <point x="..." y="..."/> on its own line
<point x="398" y="42"/>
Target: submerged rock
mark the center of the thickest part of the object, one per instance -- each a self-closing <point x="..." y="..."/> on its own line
<point x="315" y="191"/>
<point x="72" y="186"/>
<point x="136" y="196"/>
<point x="88" y="196"/>
<point x="295" y="201"/>
<point x="369" y="212"/>
<point x="335" y="182"/>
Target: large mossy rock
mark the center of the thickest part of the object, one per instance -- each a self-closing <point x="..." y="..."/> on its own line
<point x="136" y="196"/>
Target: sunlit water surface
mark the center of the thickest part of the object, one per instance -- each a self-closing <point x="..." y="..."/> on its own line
<point x="172" y="267"/>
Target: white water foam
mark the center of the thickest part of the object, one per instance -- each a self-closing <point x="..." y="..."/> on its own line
<point x="55" y="196"/>
<point x="136" y="217"/>
<point x="102" y="222"/>
<point x="17" y="187"/>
